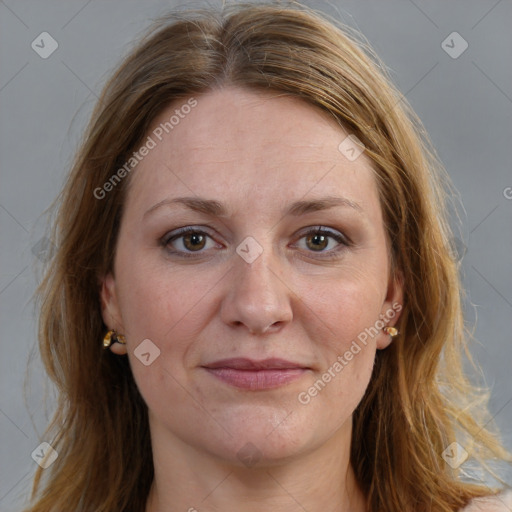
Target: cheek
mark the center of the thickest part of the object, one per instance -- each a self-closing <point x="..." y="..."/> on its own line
<point x="346" y="354"/>
<point x="163" y="309"/>
<point x="345" y="303"/>
<point x="158" y="300"/>
<point x="341" y="316"/>
<point x="172" y="306"/>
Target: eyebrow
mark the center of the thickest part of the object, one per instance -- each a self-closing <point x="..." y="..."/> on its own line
<point x="215" y="208"/>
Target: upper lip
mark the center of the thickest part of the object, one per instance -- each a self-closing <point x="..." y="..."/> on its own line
<point x="243" y="363"/>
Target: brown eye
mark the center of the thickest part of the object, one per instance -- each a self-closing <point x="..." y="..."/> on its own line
<point x="187" y="241"/>
<point x="317" y="242"/>
<point x="325" y="242"/>
<point x="194" y="241"/>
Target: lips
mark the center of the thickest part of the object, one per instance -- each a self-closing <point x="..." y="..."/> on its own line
<point x="254" y="375"/>
<point x="242" y="363"/>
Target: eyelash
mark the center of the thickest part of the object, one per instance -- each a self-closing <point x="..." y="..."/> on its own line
<point x="319" y="230"/>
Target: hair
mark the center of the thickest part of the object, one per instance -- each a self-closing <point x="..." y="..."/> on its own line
<point x="419" y="399"/>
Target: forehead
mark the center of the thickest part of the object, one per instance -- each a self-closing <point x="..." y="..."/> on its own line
<point x="240" y="145"/>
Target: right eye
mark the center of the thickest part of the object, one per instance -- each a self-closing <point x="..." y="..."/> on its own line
<point x="186" y="241"/>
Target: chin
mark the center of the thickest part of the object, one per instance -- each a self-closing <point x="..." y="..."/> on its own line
<point x="259" y="441"/>
<point x="258" y="452"/>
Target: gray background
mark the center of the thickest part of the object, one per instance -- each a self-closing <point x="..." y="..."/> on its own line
<point x="465" y="104"/>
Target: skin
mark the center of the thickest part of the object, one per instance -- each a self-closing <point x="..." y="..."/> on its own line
<point x="256" y="153"/>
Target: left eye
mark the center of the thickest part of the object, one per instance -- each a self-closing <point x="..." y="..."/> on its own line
<point x="318" y="240"/>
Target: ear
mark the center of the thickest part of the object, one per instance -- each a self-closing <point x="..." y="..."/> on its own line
<point x="391" y="308"/>
<point x="110" y="311"/>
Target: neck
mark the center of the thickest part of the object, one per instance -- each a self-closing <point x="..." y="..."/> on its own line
<point x="195" y="481"/>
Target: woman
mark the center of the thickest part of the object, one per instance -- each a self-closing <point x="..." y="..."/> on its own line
<point x="254" y="284"/>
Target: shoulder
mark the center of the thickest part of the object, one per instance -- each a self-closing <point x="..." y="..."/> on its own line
<point x="501" y="502"/>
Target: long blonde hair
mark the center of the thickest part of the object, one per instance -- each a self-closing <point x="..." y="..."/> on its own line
<point x="418" y="400"/>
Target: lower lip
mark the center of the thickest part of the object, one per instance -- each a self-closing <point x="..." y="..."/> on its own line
<point x="257" y="379"/>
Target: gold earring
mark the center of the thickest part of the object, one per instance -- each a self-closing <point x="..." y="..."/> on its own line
<point x="392" y="331"/>
<point x="113" y="337"/>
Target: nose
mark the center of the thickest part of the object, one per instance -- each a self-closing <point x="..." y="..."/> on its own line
<point x="259" y="298"/>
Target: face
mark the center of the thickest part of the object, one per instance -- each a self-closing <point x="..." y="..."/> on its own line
<point x="285" y="258"/>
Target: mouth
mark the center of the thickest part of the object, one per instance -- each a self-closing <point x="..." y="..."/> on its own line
<point x="256" y="375"/>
